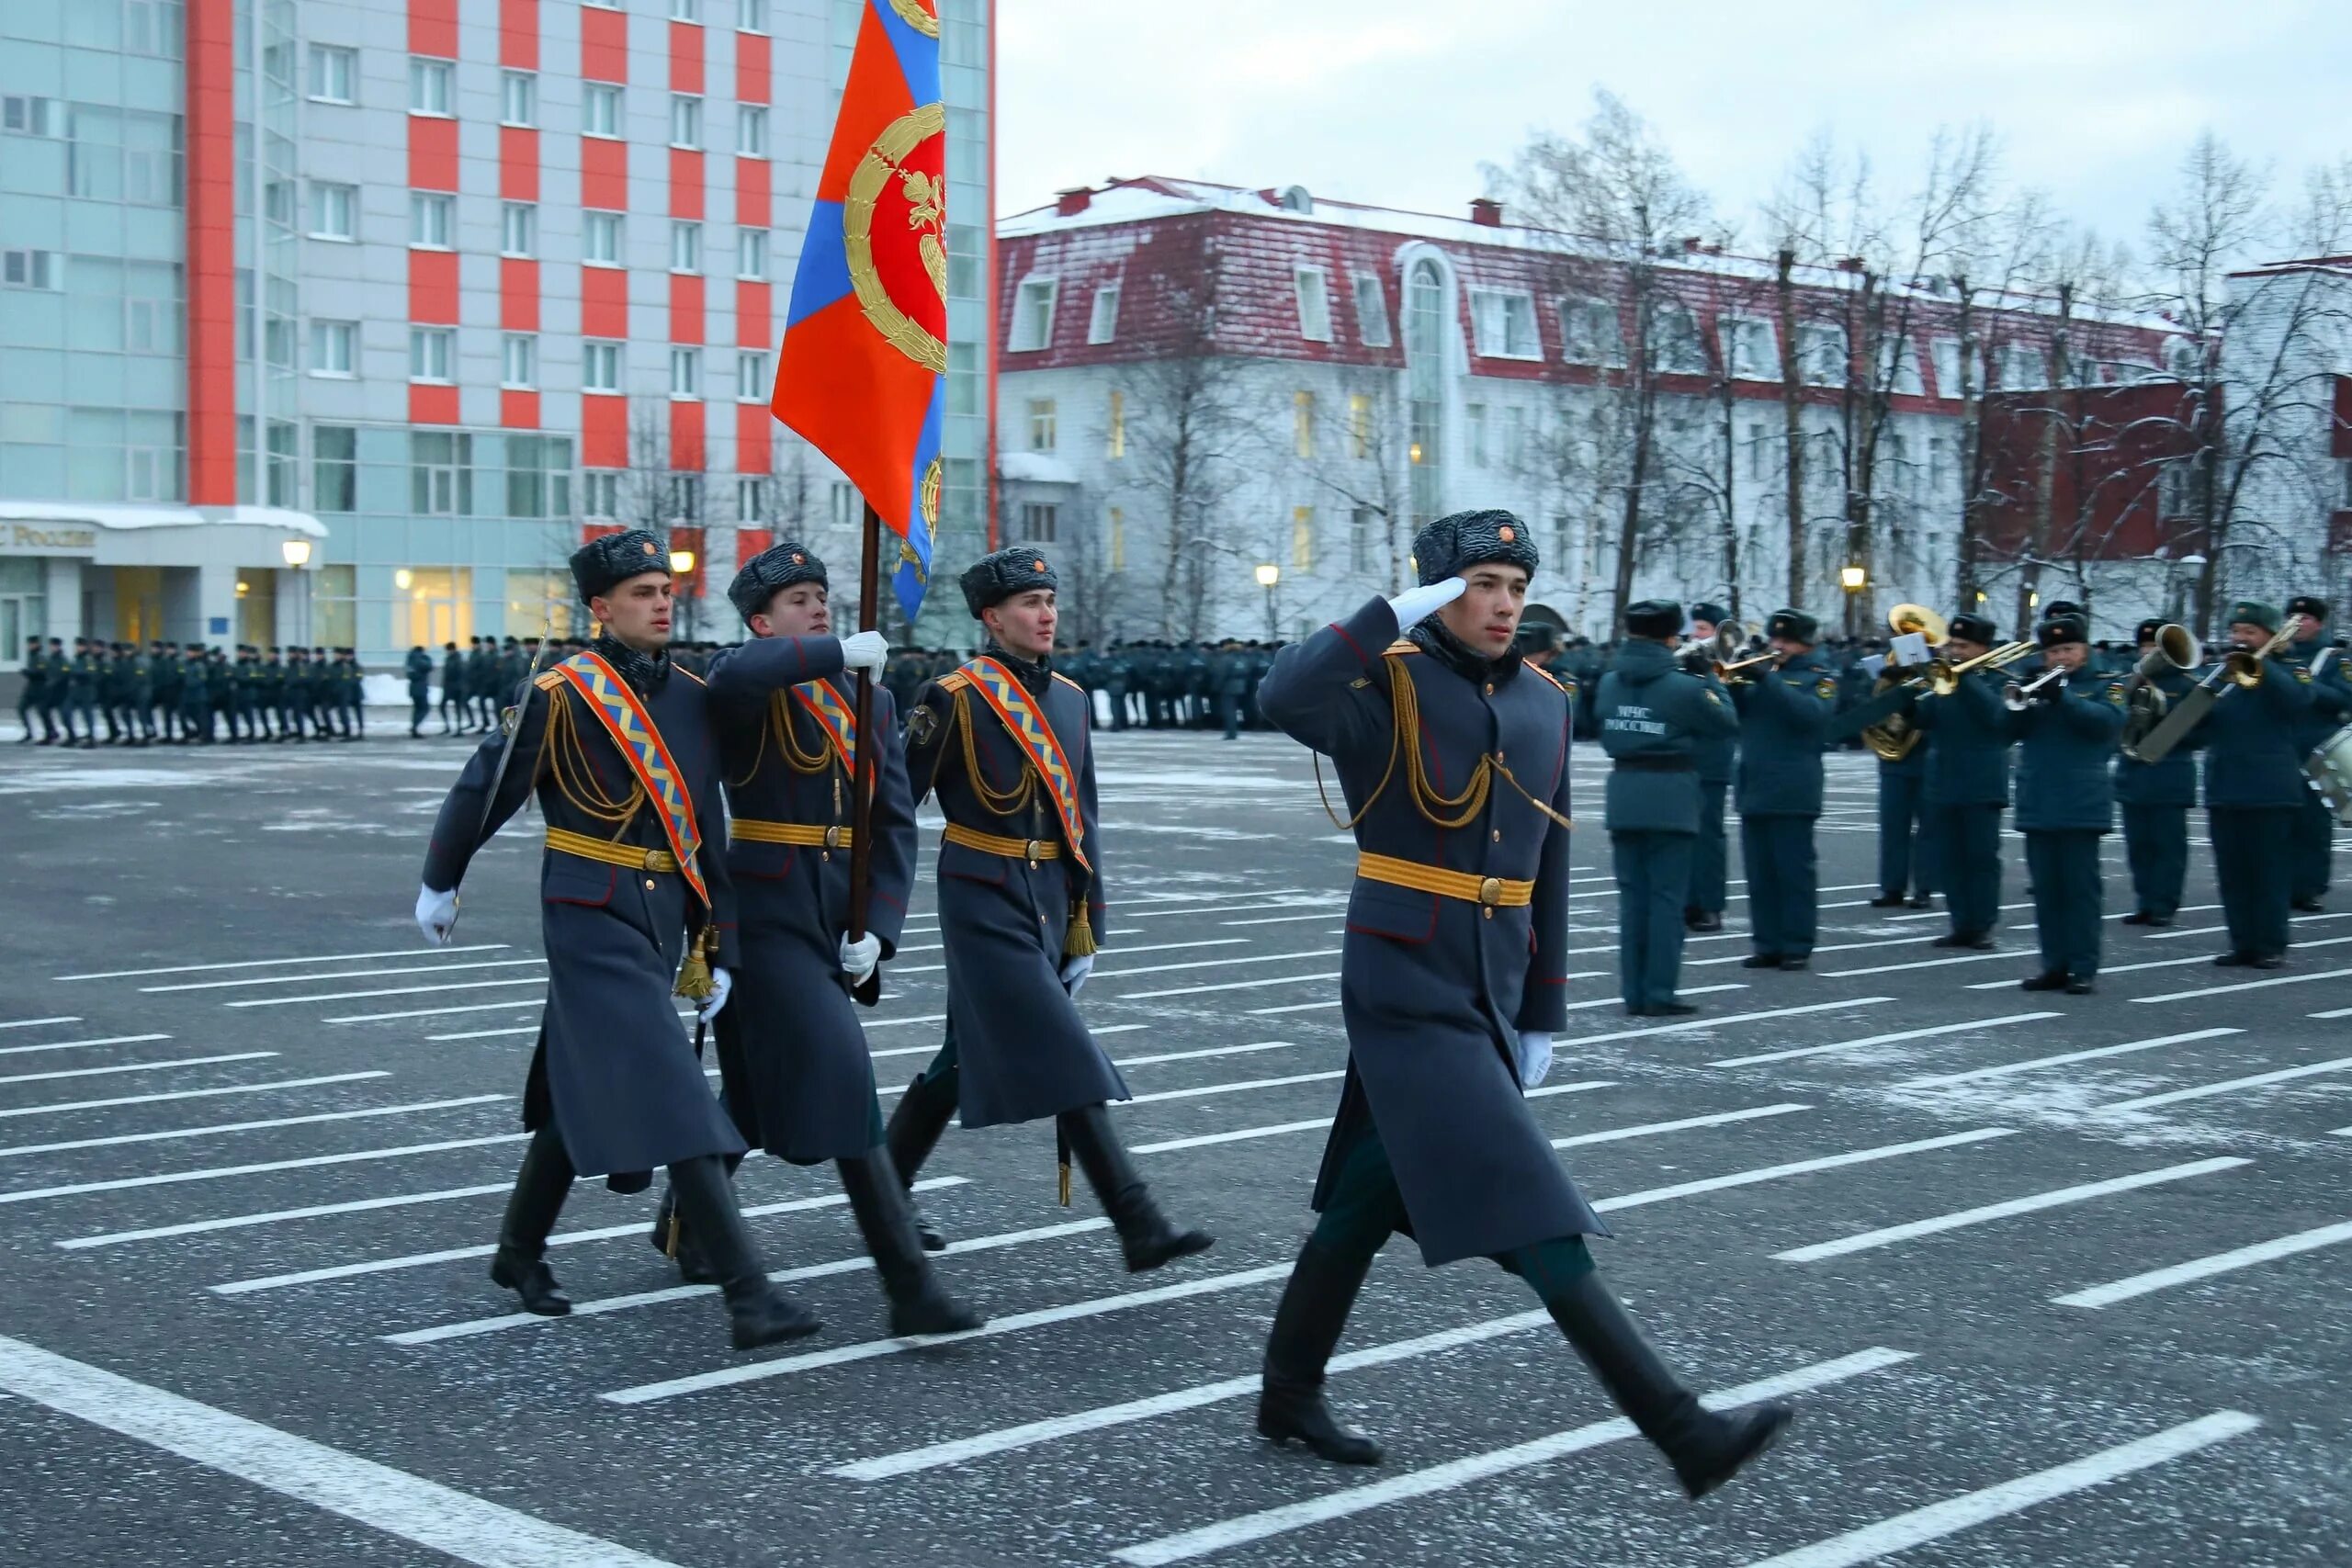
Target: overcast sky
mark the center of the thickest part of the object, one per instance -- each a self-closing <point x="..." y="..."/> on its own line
<point x="1399" y="103"/>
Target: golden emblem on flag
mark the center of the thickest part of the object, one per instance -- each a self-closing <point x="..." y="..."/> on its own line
<point x="895" y="233"/>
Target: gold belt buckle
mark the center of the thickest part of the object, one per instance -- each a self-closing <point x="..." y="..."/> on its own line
<point x="833" y="837"/>
<point x="1491" y="891"/>
<point x="660" y="860"/>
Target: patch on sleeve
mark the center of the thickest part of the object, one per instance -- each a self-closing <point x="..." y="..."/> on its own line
<point x="1824" y="687"/>
<point x="2116" y="694"/>
<point x="922" y="724"/>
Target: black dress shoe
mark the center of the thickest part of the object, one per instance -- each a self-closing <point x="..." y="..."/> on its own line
<point x="1668" y="1009"/>
<point x="531" y="1278"/>
<point x="2047" y="980"/>
<point x="2139" y="917"/>
<point x="2311" y="906"/>
<point x="2271" y="961"/>
<point x="1761" y="961"/>
<point x="1704" y="921"/>
<point x="1887" y="901"/>
<point x="1796" y="961"/>
<point x="1923" y="901"/>
<point x="2160" y="920"/>
<point x="2080" y="986"/>
<point x="2234" y="960"/>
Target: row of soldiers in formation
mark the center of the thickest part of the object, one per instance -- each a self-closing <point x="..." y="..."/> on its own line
<point x="173" y="695"/>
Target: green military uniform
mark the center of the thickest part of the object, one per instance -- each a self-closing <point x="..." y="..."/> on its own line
<point x="2319" y="664"/>
<point x="1967" y="789"/>
<point x="32" y="695"/>
<point x="2154" y="798"/>
<point x="2067" y="733"/>
<point x="1784" y="714"/>
<point x="1717" y="757"/>
<point x="2254" y="786"/>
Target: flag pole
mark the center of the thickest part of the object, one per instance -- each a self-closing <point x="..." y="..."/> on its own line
<point x="861" y="843"/>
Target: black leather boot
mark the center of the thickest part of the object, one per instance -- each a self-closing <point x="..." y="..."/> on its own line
<point x="918" y="1303"/>
<point x="672" y="1240"/>
<point x="1705" y="1448"/>
<point x="758" y="1313"/>
<point x="916" y="1123"/>
<point x="520" y="1264"/>
<point x="1322" y="1287"/>
<point x="1145" y="1234"/>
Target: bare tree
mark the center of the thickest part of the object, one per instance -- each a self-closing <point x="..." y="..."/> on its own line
<point x="1361" y="462"/>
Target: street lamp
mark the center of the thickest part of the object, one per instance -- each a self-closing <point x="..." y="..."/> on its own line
<point x="296" y="552"/>
<point x="681" y="562"/>
<point x="1269" y="575"/>
<point x="1853" y="580"/>
<point x="681" y="566"/>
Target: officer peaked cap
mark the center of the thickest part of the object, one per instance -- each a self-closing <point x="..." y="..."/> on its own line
<point x="1794" y="625"/>
<point x="2055" y="629"/>
<point x="1654" y="617"/>
<point x="604" y="564"/>
<point x="994" y="577"/>
<point x="1453" y="544"/>
<point x="771" y="571"/>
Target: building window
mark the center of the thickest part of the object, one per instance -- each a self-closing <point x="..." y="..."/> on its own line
<point x="1119" y="530"/>
<point x="963" y="256"/>
<point x="600" y="110"/>
<point x="685" y="247"/>
<point x="431" y="219"/>
<point x="1473" y="432"/>
<point x="1503" y="325"/>
<point x="1759" y="453"/>
<point x="28" y="116"/>
<point x="2022" y="364"/>
<point x="1899" y="367"/>
<point x="752" y="377"/>
<point x="432" y="353"/>
<point x="1359" y="425"/>
<point x="685" y="373"/>
<point x="1040" y="424"/>
<point x="681" y="498"/>
<point x="1363" y="537"/>
<point x="685" y="10"/>
<point x="1938" y="464"/>
<point x="1302" y="423"/>
<point x="1749" y="348"/>
<point x="1114" y="446"/>
<point x="440" y="473"/>
<point x="1102" y="323"/>
<point x="1314" y="291"/>
<point x="335" y="75"/>
<point x="751" y="131"/>
<point x="600" y="239"/>
<point x="750" y="15"/>
<point x="518" y="228"/>
<point x="600" y="367"/>
<point x="518" y="98"/>
<point x="334" y="468"/>
<point x="752" y="254"/>
<point x="1302" y="538"/>
<point x="1821" y="354"/>
<point x="1372" y="311"/>
<point x="842" y="502"/>
<point x="333" y="348"/>
<point x="428" y="87"/>
<point x="539" y="475"/>
<point x="1676" y="346"/>
<point x="1945" y="351"/>
<point x="519" y="362"/>
<point x="1033" y="315"/>
<point x="154" y="27"/>
<point x="600" y="494"/>
<point x="963" y="377"/>
<point x="685" y="120"/>
<point x="334" y="212"/>
<point x="1591" y="333"/>
<point x="1040" y="521"/>
<point x="1514" y="454"/>
<point x="751" y="500"/>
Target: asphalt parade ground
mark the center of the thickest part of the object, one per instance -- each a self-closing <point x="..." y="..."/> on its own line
<point x="2054" y="1279"/>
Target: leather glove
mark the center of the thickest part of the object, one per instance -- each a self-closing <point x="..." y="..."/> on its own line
<point x="864" y="650"/>
<point x="436" y="915"/>
<point x="859" y="957"/>
<point x="1074" y="973"/>
<point x="722" y="982"/>
<point x="1534" y="1056"/>
<point x="1415" y="603"/>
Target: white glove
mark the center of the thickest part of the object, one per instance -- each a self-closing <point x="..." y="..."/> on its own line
<point x="864" y="650"/>
<point x="1415" y="603"/>
<point x="722" y="982"/>
<point x="1074" y="973"/>
<point x="1534" y="1056"/>
<point x="436" y="915"/>
<point x="859" y="957"/>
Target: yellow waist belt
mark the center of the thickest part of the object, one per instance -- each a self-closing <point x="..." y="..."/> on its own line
<point x="1492" y="891"/>
<point x="1011" y="848"/>
<point x="804" y="833"/>
<point x="611" y="853"/>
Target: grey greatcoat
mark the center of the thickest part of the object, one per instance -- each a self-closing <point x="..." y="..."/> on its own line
<point x="1024" y="1051"/>
<point x="614" y="1070"/>
<point x="1434" y="990"/>
<point x="799" y="1079"/>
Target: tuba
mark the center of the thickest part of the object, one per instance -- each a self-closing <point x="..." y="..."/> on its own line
<point x="2176" y="650"/>
<point x="1894" y="737"/>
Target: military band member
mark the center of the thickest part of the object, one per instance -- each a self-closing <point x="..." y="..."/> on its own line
<point x="1453" y="759"/>
<point x="2067" y="730"/>
<point x="2155" y="798"/>
<point x="2318" y="663"/>
<point x="1004" y="740"/>
<point x="1654" y="720"/>
<point x="1784" y="712"/>
<point x="2253" y="786"/>
<point x="1968" y="783"/>
<point x="798" y="1076"/>
<point x="629" y="887"/>
<point x="1716" y="758"/>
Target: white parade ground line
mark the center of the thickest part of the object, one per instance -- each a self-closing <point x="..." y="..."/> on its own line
<point x="35" y="1022"/>
<point x="220" y="1127"/>
<point x="1686" y="1123"/>
<point x="2095" y="1054"/>
<point x="1323" y="1124"/>
<point x="134" y="1068"/>
<point x="1204" y="1089"/>
<point x="281" y="1216"/>
<point x="2256" y="985"/>
<point x="1929" y="1032"/>
<point x="1720" y="1021"/>
<point x="1953" y="1515"/>
<point x="1801" y="1168"/>
<point x="2198" y="1269"/>
<point x="1227" y="985"/>
<point x="2231" y="1085"/>
<point x="173" y="1177"/>
<point x="79" y="1044"/>
<point x="1183" y="1056"/>
<point x="897" y="968"/>
<point x="340" y="975"/>
<point x="452" y="1523"/>
<point x="2171" y="963"/>
<point x="413" y="950"/>
<point x="1241" y="1530"/>
<point x="388" y="991"/>
<point x="514" y="1004"/>
<point x="1986" y="1213"/>
<point x="192" y="1094"/>
<point x="1926" y="964"/>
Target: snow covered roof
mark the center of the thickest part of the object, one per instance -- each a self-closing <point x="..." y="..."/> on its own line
<point x="131" y="516"/>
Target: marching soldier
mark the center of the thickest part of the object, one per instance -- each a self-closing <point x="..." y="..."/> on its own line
<point x="1450" y="988"/>
<point x="2066" y="722"/>
<point x="57" y="674"/>
<point x="453" y="690"/>
<point x="294" y="695"/>
<point x="629" y="887"/>
<point x="1003" y="742"/>
<point x="1968" y="785"/>
<point x="31" y="696"/>
<point x="352" y="692"/>
<point x="481" y="682"/>
<point x="196" y="697"/>
<point x="2155" y="798"/>
<point x="1716" y="754"/>
<point x="1654" y="720"/>
<point x="82" y="692"/>
<point x="1118" y="670"/>
<point x="418" y="667"/>
<point x="2253" y="786"/>
<point x="1784" y="712"/>
<point x="114" y="693"/>
<point x="2319" y="665"/>
<point x="798" y="1076"/>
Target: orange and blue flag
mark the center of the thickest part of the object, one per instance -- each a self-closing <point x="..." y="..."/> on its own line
<point x="862" y="368"/>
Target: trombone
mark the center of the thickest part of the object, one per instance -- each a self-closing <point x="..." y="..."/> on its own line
<point x="2176" y="650"/>
<point x="1943" y="679"/>
<point x="2242" y="667"/>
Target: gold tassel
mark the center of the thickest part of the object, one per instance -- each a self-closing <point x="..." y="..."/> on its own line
<point x="1061" y="1154"/>
<point x="1079" y="943"/>
<point x="695" y="983"/>
<point x="1065" y="1184"/>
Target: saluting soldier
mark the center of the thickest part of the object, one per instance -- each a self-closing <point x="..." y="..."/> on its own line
<point x="1003" y="743"/>
<point x="2067" y="731"/>
<point x="798" y="1076"/>
<point x="1655" y="718"/>
<point x="2253" y="786"/>
<point x="1715" y="755"/>
<point x="1784" y="712"/>
<point x="1968" y="783"/>
<point x="1453" y="759"/>
<point x="2318" y="663"/>
<point x="629" y="887"/>
<point x="2155" y="798"/>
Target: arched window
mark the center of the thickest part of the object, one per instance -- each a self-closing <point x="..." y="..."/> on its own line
<point x="1426" y="300"/>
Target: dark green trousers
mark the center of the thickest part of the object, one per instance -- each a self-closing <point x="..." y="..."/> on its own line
<point x="1365" y="1208"/>
<point x="1653" y="889"/>
<point x="2252" y="845"/>
<point x="1969" y="837"/>
<point x="2315" y="847"/>
<point x="1783" y="902"/>
<point x="2155" y="846"/>
<point x="2069" y="899"/>
<point x="1905" y="842"/>
<point x="1710" y="864"/>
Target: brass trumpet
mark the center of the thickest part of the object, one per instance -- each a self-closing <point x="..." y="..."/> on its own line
<point x="2244" y="665"/>
<point x="1943" y="679"/>
<point x="2017" y="698"/>
<point x="1729" y="674"/>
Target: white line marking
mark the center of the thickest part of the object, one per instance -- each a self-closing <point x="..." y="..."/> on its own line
<point x="1285" y="919"/>
<point x="1620" y="1002"/>
<point x="190" y="1094"/>
<point x="1922" y="963"/>
<point x="173" y="1177"/>
<point x="1984" y="1214"/>
<point x="77" y="1045"/>
<point x="387" y="991"/>
<point x="2198" y="1269"/>
<point x="1323" y="1124"/>
<point x="2097" y="1053"/>
<point x="1800" y="1168"/>
<point x="266" y="963"/>
<point x="897" y="968"/>
<point x="2253" y="985"/>
<point x="343" y="975"/>
<point x="1295" y="1007"/>
<point x="1895" y="1038"/>
<point x="1953" y="1515"/>
<point x="1190" y="1056"/>
<point x="2162" y="963"/>
<point x="1204" y="1089"/>
<point x="1718" y="1021"/>
<point x="2231" y="1085"/>
<point x="487" y="1033"/>
<point x="1436" y="1478"/>
<point x="1228" y="985"/>
<point x="517" y="1005"/>
<point x="1720" y="1119"/>
<point x="35" y="1022"/>
<point x="1835" y="947"/>
<point x="391" y="1501"/>
<point x="2333" y="1012"/>
<point x="1213" y="962"/>
<point x="220" y="1127"/>
<point x="133" y="1067"/>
